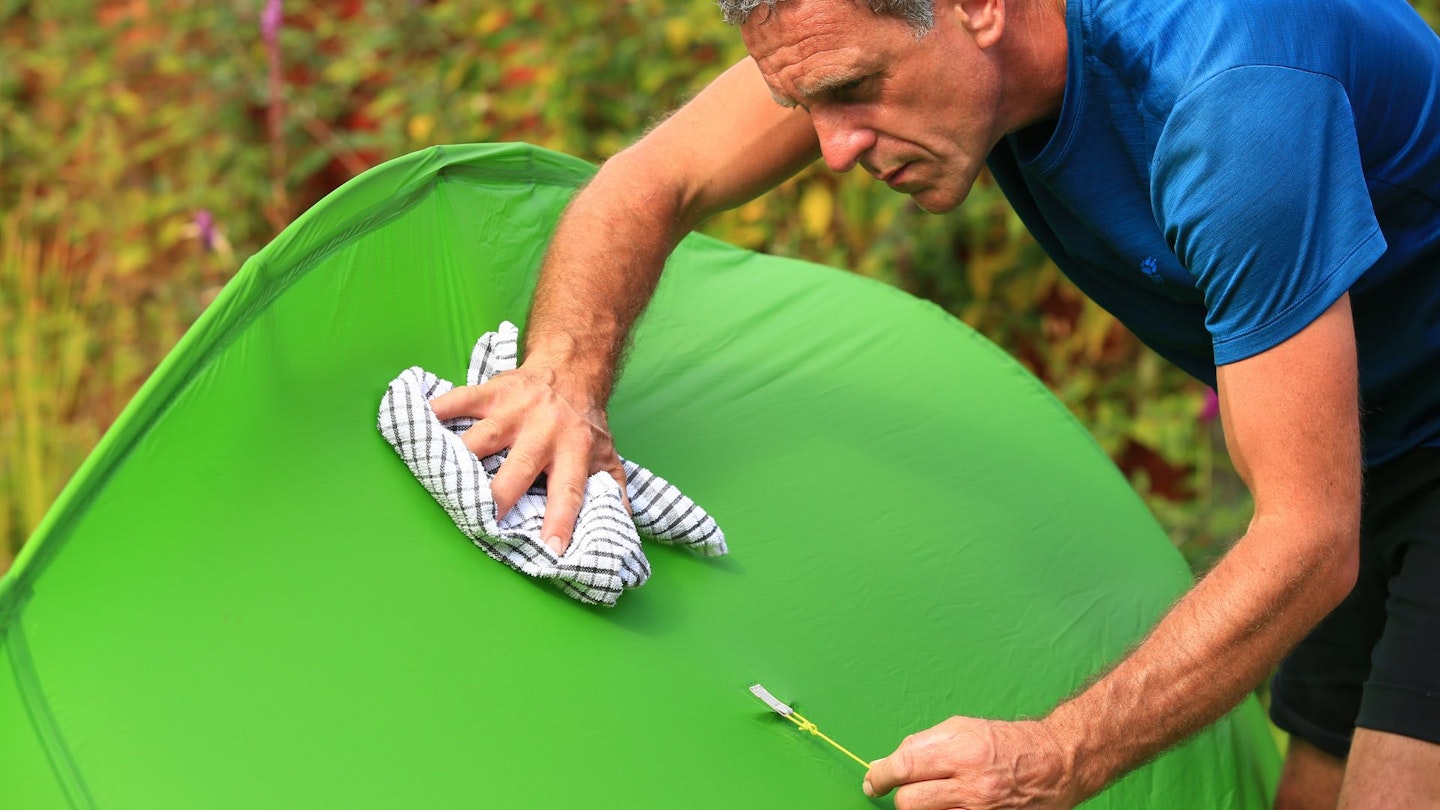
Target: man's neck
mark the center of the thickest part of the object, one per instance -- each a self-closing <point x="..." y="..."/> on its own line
<point x="1036" y="59"/>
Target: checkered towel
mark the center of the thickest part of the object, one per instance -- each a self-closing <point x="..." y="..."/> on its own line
<point x="604" y="557"/>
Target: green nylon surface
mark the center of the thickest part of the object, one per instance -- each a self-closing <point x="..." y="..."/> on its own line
<point x="244" y="599"/>
<point x="28" y="780"/>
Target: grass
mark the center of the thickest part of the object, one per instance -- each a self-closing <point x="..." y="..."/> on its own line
<point x="47" y="306"/>
<point x="79" y="332"/>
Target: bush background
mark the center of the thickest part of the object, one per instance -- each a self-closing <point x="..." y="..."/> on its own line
<point x="148" y="146"/>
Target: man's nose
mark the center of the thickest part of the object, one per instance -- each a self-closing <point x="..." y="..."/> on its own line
<point x="842" y="139"/>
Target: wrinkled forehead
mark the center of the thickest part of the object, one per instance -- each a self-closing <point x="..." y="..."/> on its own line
<point x="794" y="23"/>
<point x="802" y="40"/>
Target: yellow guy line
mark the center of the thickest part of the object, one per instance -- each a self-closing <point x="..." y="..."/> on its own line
<point x="799" y="720"/>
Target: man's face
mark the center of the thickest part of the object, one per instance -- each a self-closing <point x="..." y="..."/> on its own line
<point x="919" y="114"/>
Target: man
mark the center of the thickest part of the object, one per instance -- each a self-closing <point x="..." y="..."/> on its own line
<point x="1253" y="188"/>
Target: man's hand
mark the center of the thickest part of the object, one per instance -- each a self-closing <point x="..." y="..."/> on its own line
<point x="969" y="763"/>
<point x="545" y="431"/>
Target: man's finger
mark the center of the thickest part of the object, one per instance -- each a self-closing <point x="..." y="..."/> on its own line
<point x="617" y="471"/>
<point x="467" y="400"/>
<point x="522" y="465"/>
<point x="912" y="762"/>
<point x="936" y="794"/>
<point x="564" y="494"/>
<point x="485" y="438"/>
<point x="885" y="774"/>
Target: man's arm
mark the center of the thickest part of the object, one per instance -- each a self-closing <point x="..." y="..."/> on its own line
<point x="1291" y="417"/>
<point x="727" y="146"/>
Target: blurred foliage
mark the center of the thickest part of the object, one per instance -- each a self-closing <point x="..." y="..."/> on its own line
<point x="147" y="146"/>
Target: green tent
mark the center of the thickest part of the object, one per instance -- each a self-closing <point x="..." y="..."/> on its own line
<point x="244" y="600"/>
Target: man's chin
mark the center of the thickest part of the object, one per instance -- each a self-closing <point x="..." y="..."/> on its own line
<point x="936" y="201"/>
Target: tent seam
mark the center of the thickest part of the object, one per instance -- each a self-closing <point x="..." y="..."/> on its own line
<point x="47" y="730"/>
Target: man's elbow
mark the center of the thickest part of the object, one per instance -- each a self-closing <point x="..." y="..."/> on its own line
<point x="1342" y="567"/>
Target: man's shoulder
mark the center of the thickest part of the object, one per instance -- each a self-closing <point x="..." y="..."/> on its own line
<point x="1177" y="44"/>
<point x="1164" y="22"/>
<point x="1152" y="56"/>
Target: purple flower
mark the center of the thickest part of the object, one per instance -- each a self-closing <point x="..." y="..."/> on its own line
<point x="1211" y="409"/>
<point x="270" y="19"/>
<point x="205" y="228"/>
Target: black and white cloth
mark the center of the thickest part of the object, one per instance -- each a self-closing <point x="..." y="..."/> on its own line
<point x="604" y="557"/>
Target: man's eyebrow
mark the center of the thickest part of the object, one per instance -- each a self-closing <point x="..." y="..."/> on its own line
<point x="787" y="103"/>
<point x="830" y="83"/>
<point x="834" y="81"/>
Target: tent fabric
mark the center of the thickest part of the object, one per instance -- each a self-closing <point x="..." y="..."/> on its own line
<point x="243" y="600"/>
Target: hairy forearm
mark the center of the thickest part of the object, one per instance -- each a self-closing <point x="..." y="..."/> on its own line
<point x="730" y="144"/>
<point x="1214" y="646"/>
<point x="1291" y="418"/>
<point x="599" y="273"/>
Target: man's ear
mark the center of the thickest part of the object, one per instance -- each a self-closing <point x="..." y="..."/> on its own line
<point x="984" y="19"/>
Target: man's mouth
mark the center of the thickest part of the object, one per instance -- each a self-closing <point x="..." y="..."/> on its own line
<point x="893" y="177"/>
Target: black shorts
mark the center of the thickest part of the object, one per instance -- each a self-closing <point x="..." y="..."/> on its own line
<point x="1375" y="661"/>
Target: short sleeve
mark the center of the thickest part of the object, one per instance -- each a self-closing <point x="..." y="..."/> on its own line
<point x="1258" y="187"/>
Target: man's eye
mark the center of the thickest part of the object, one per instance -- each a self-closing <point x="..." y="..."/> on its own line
<point x="856" y="91"/>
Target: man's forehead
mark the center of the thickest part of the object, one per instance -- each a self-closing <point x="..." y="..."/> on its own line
<point x="812" y="46"/>
<point x="803" y="26"/>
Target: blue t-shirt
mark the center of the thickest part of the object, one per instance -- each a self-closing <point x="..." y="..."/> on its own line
<point x="1221" y="174"/>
